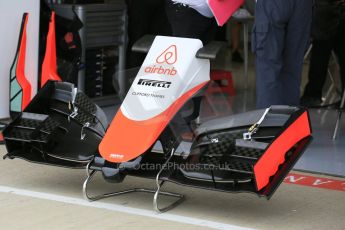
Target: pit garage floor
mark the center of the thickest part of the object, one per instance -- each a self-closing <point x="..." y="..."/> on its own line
<point x="42" y="197"/>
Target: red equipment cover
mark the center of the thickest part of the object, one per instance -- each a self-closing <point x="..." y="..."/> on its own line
<point x="49" y="68"/>
<point x="20" y="87"/>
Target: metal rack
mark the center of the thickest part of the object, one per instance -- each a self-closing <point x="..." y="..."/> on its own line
<point x="104" y="39"/>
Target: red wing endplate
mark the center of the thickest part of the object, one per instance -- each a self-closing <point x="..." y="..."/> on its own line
<point x="1" y="138"/>
<point x="274" y="156"/>
<point x="2" y="126"/>
<point x="20" y="87"/>
<point x="49" y="68"/>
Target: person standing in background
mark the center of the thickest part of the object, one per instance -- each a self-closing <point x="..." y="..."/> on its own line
<point x="239" y="15"/>
<point x="235" y="42"/>
<point x="328" y="33"/>
<point x="191" y="19"/>
<point x="281" y="36"/>
<point x="144" y="17"/>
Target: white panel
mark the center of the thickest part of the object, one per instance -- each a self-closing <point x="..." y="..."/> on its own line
<point x="170" y="70"/>
<point x="11" y="13"/>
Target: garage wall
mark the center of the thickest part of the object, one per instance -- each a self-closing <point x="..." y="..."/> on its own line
<point x="10" y="21"/>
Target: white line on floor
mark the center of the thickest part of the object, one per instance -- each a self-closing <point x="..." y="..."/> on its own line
<point x="120" y="208"/>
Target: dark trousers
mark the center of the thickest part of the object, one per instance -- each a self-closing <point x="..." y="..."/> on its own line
<point x="320" y="55"/>
<point x="189" y="23"/>
<point x="280" y="38"/>
<point x="144" y="17"/>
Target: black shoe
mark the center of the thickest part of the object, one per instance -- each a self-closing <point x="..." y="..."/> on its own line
<point x="311" y="102"/>
<point x="236" y="57"/>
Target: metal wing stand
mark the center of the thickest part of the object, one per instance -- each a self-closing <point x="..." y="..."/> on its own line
<point x="158" y="192"/>
<point x="90" y="173"/>
<point x="170" y="143"/>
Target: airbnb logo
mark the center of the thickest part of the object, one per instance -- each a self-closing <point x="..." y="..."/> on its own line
<point x="169" y="56"/>
<point x="160" y="70"/>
